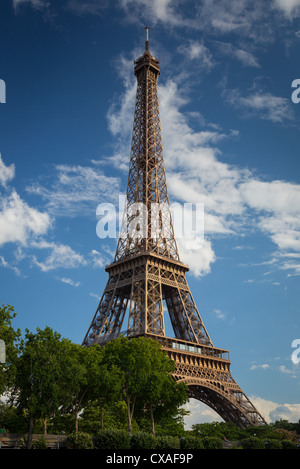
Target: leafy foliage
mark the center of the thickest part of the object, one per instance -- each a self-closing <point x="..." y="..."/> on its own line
<point x="191" y="442"/>
<point x="145" y="374"/>
<point x="288" y="444"/>
<point x="253" y="443"/>
<point x="80" y="441"/>
<point x="127" y="383"/>
<point x="167" y="442"/>
<point x="142" y="440"/>
<point x="11" y="338"/>
<point x="273" y="443"/>
<point x="40" y="443"/>
<point x="112" y="439"/>
<point x="212" y="442"/>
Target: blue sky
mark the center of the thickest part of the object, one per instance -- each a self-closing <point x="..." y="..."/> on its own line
<point x="231" y="142"/>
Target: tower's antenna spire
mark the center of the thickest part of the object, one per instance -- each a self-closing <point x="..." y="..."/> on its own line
<point x="147" y="37"/>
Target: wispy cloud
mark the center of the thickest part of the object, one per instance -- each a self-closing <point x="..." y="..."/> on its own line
<point x="69" y="281"/>
<point x="219" y="314"/>
<point x="270" y="410"/>
<point x="98" y="259"/>
<point x="40" y="5"/>
<point x="76" y="190"/>
<point x="248" y="18"/>
<point x="262" y="105"/>
<point x="197" y="52"/>
<point x="291" y="8"/>
<point x="7" y="173"/>
<point x="234" y="198"/>
<point x="6" y="265"/>
<point x="264" y="366"/>
<point x="61" y="257"/>
<point x="273" y="411"/>
<point x="246" y="58"/>
<point x="19" y="222"/>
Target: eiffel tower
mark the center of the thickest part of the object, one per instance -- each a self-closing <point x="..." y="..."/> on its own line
<point x="147" y="275"/>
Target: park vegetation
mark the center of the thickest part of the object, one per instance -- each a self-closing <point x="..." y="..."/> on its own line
<point x="118" y="396"/>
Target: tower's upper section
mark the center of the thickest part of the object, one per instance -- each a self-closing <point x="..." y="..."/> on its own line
<point x="146" y="61"/>
<point x="147" y="223"/>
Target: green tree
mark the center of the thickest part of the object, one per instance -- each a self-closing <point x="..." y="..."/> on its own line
<point x="163" y="396"/>
<point x="145" y="373"/>
<point x="89" y="379"/>
<point x="172" y="424"/>
<point x="228" y="430"/>
<point x="10" y="338"/>
<point x="81" y="363"/>
<point x="114" y="416"/>
<point x="131" y="358"/>
<point x="12" y="419"/>
<point x="40" y="381"/>
<point x="208" y="429"/>
<point x="105" y="386"/>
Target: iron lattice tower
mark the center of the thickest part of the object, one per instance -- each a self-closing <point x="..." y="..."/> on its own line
<point x="147" y="273"/>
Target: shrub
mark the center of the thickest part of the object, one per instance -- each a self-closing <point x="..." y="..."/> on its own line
<point x="112" y="439"/>
<point x="288" y="444"/>
<point x="80" y="441"/>
<point x="284" y="434"/>
<point x="40" y="443"/>
<point x="191" y="442"/>
<point x="211" y="442"/>
<point x="273" y="443"/>
<point x="142" y="440"/>
<point x="167" y="442"/>
<point x="253" y="443"/>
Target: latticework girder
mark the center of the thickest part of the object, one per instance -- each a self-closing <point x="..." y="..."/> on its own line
<point x="147" y="276"/>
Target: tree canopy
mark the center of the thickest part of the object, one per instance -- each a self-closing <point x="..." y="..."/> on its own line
<point x="10" y="340"/>
<point x="51" y="378"/>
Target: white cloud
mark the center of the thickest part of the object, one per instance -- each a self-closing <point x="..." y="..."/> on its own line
<point x="278" y="204"/>
<point x="94" y="295"/>
<point x="61" y="257"/>
<point x="98" y="259"/>
<point x="265" y="106"/>
<point x="234" y="198"/>
<point x="264" y="366"/>
<point x="36" y="4"/>
<point x="197" y="51"/>
<point x="76" y="190"/>
<point x="199" y="413"/>
<point x="194" y="170"/>
<point x="248" y="18"/>
<point x="6" y="265"/>
<point x="285" y="370"/>
<point x="234" y="52"/>
<point x="7" y="173"/>
<point x="271" y="411"/>
<point x="154" y="11"/>
<point x="219" y="314"/>
<point x="275" y="196"/>
<point x="69" y="281"/>
<point x="246" y="58"/>
<point x="121" y="111"/>
<point x="198" y="260"/>
<point x="19" y="222"/>
<point x="289" y="7"/>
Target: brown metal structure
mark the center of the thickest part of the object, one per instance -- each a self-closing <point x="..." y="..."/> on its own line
<point x="147" y="275"/>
